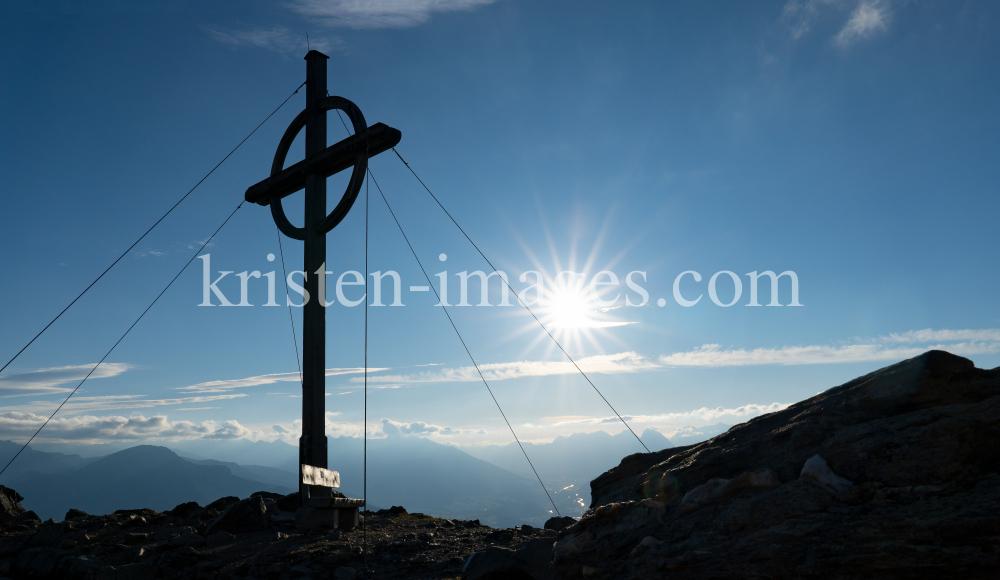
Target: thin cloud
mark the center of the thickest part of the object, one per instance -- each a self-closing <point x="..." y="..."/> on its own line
<point x="390" y="428"/>
<point x="893" y="347"/>
<point x="198" y="244"/>
<point x="800" y="15"/>
<point x="224" y="386"/>
<point x="154" y="253"/>
<point x="869" y="18"/>
<point x="113" y="402"/>
<point x="47" y="381"/>
<point x="687" y="432"/>
<point x="382" y="13"/>
<point x="624" y="362"/>
<point x="277" y="39"/>
<point x="375" y="387"/>
<point x="338" y="429"/>
<point x="866" y="19"/>
<point x="929" y="335"/>
<point x="92" y="429"/>
<point x="702" y="415"/>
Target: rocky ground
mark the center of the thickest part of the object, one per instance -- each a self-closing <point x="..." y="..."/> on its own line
<point x="893" y="475"/>
<point x="194" y="542"/>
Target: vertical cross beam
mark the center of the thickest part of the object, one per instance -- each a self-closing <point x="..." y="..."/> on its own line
<point x="312" y="443"/>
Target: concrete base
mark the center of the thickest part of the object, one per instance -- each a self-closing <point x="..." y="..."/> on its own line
<point x="309" y="519"/>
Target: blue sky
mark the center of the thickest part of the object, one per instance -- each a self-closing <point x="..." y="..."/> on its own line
<point x="851" y="142"/>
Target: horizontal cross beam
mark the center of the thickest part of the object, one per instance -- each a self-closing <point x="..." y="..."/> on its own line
<point x="333" y="159"/>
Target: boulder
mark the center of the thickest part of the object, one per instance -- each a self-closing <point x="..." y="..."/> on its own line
<point x="559" y="522"/>
<point x="10" y="505"/>
<point x="188" y="509"/>
<point x="817" y="469"/>
<point x="137" y="571"/>
<point x="222" y="503"/>
<point x="528" y="561"/>
<point x="72" y="514"/>
<point x="10" y="546"/>
<point x="246" y="515"/>
<point x="49" y="534"/>
<point x="290" y="502"/>
<point x="77" y="566"/>
<point x="38" y="562"/>
<point x="142" y="512"/>
<point x="220" y="538"/>
<point x="719" y="489"/>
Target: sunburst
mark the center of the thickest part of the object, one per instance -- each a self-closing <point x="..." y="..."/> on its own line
<point x="563" y="302"/>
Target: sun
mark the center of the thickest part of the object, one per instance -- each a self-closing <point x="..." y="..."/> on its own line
<point x="569" y="308"/>
<point x="561" y="295"/>
<point x="564" y="305"/>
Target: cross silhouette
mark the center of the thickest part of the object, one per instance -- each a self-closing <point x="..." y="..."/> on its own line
<point x="310" y="174"/>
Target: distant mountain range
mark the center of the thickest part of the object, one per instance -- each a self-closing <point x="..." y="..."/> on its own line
<point x="145" y="476"/>
<point x="568" y="464"/>
<point x="32" y="460"/>
<point x="268" y="475"/>
<point x="493" y="484"/>
<point x="242" y="451"/>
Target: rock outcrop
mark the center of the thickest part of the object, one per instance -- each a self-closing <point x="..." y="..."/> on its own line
<point x="892" y="475"/>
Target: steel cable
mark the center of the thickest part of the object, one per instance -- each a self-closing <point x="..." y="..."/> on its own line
<point x="474" y="363"/>
<point x="610" y="406"/>
<point x="106" y="270"/>
<point x="73" y="392"/>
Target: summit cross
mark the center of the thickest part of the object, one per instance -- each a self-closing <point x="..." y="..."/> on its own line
<point x="310" y="174"/>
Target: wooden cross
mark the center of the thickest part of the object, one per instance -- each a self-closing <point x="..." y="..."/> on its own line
<point x="310" y="174"/>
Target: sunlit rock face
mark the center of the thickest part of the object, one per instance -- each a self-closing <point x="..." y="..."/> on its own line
<point x="892" y="475"/>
